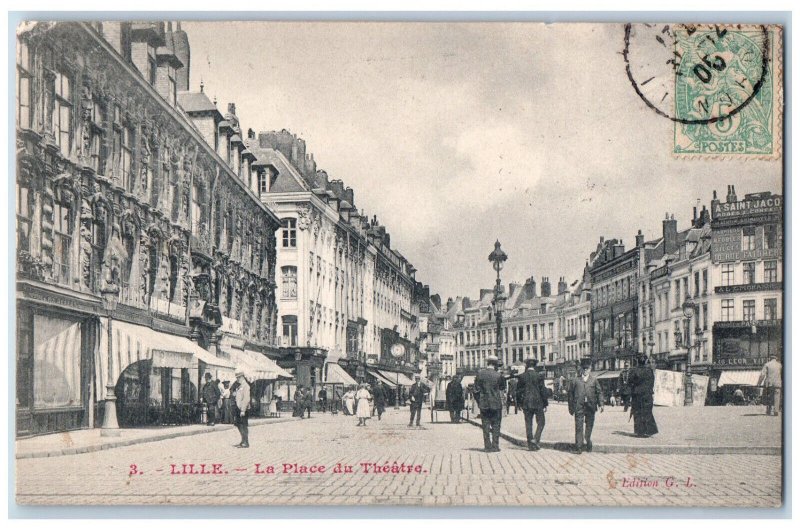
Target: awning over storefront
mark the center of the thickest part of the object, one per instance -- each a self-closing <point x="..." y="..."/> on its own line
<point x="132" y="343"/>
<point x="610" y="374"/>
<point x="399" y="377"/>
<point x="257" y="366"/>
<point x="336" y="374"/>
<point x="381" y="378"/>
<point x="739" y="377"/>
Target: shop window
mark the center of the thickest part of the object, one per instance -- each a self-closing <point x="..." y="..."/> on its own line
<point x="749" y="272"/>
<point x="749" y="238"/>
<point x="749" y="310"/>
<point x="289" y="282"/>
<point x="289" y="238"/>
<point x="24" y="95"/>
<point x="62" y="113"/>
<point x="56" y="363"/>
<point x="770" y="271"/>
<point x="728" y="310"/>
<point x="728" y="274"/>
<point x="771" y="309"/>
<point x="62" y="242"/>
<point x="24" y="216"/>
<point x="24" y="359"/>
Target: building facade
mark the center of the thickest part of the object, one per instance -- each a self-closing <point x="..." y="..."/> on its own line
<point x="119" y="203"/>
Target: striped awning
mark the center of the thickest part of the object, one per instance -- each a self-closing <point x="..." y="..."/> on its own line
<point x="739" y="377"/>
<point x="399" y="377"/>
<point x="256" y="366"/>
<point x="336" y="374"/>
<point x="132" y="343"/>
<point x="385" y="380"/>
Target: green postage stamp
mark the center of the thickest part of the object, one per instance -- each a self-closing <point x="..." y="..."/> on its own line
<point x="721" y="85"/>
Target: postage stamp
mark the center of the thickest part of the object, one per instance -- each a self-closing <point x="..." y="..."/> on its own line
<point x="721" y="85"/>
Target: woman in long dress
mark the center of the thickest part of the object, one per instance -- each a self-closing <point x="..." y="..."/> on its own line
<point x="349" y="400"/>
<point x="363" y="398"/>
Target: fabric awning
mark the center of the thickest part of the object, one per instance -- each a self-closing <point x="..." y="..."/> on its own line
<point x="399" y="377"/>
<point x="611" y="374"/>
<point x="739" y="377"/>
<point x="381" y="378"/>
<point x="132" y="343"/>
<point x="257" y="366"/>
<point x="336" y="374"/>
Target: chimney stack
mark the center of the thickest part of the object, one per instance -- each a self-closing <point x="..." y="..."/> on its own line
<point x="562" y="285"/>
<point x="639" y="239"/>
<point x="670" y="234"/>
<point x="546" y="287"/>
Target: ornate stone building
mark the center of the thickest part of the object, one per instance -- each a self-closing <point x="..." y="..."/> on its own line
<point x="125" y="210"/>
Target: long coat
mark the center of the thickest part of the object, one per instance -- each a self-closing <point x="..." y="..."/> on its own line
<point x="771" y="374"/>
<point x="454" y="393"/>
<point x="417" y="394"/>
<point x="531" y="392"/>
<point x="490" y="387"/>
<point x="581" y="391"/>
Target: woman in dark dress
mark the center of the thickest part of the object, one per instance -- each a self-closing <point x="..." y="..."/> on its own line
<point x="642" y="381"/>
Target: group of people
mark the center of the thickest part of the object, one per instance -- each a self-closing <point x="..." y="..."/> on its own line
<point x="303" y="401"/>
<point x="229" y="401"/>
<point x="363" y="400"/>
<point x="635" y="387"/>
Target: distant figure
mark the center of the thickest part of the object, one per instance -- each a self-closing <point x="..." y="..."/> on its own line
<point x="308" y="401"/>
<point x="363" y="398"/>
<point x="532" y="395"/>
<point x="738" y="397"/>
<point x="243" y="410"/>
<point x="227" y="416"/>
<point x="770" y="379"/>
<point x="323" y="399"/>
<point x="511" y="395"/>
<point x="454" y="393"/>
<point x="299" y="398"/>
<point x="490" y="389"/>
<point x="211" y="395"/>
<point x="584" y="397"/>
<point x="624" y="387"/>
<point x="379" y="399"/>
<point x="642" y="383"/>
<point x="416" y="397"/>
<point x="349" y="401"/>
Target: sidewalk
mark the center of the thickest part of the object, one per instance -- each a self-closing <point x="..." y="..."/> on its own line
<point x="690" y="430"/>
<point x="89" y="440"/>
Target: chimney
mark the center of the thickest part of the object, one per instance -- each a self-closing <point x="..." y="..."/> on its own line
<point x="437" y="300"/>
<point x="251" y="134"/>
<point x="530" y="288"/>
<point x="183" y="53"/>
<point x="562" y="285"/>
<point x="232" y="108"/>
<point x="670" y="233"/>
<point x="731" y="196"/>
<point x="546" y="286"/>
<point x="639" y="239"/>
<point x="450" y="304"/>
<point x="619" y="249"/>
<point x="349" y="196"/>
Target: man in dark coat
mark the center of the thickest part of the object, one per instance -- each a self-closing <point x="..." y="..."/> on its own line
<point x="455" y="399"/>
<point x="624" y="386"/>
<point x="532" y="396"/>
<point x="416" y="397"/>
<point x="642" y="381"/>
<point x="323" y="399"/>
<point x="583" y="399"/>
<point x="379" y="398"/>
<point x="211" y="396"/>
<point x="511" y="395"/>
<point x="490" y="390"/>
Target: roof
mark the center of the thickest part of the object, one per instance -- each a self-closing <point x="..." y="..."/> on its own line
<point x="196" y="102"/>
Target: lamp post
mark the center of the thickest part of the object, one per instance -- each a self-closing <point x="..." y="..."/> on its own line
<point x="110" y="427"/>
<point x="688" y="308"/>
<point x="498" y="258"/>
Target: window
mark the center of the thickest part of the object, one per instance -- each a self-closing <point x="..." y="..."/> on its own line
<point x="289" y="282"/>
<point x="771" y="309"/>
<point x="62" y="242"/>
<point x="23" y="218"/>
<point x="677" y="293"/>
<point x="705" y="317"/>
<point x="728" y="310"/>
<point x="263" y="181"/>
<point x="749" y="268"/>
<point x="62" y="113"/>
<point x="23" y="86"/>
<point x="705" y="281"/>
<point x="290" y="235"/>
<point x="174" y="272"/>
<point x="697" y="283"/>
<point x="749" y="238"/>
<point x="290" y="330"/>
<point x="770" y="236"/>
<point x="770" y="271"/>
<point x="685" y="288"/>
<point x="123" y="142"/>
<point x="728" y="274"/>
<point x="749" y="310"/>
<point x="96" y="133"/>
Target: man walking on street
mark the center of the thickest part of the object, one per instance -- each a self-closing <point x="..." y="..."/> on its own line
<point x="490" y="388"/>
<point x="416" y="396"/>
<point x="323" y="399"/>
<point x="584" y="397"/>
<point x="623" y="386"/>
<point x="243" y="410"/>
<point x="771" y="380"/>
<point x="455" y="398"/>
<point x="211" y="395"/>
<point x="532" y="396"/>
<point x="379" y="399"/>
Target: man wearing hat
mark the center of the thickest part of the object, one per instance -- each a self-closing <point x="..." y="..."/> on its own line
<point x="416" y="396"/>
<point x="771" y="380"/>
<point x="243" y="409"/>
<point x="532" y="396"/>
<point x="584" y="397"/>
<point x="490" y="388"/>
<point x="211" y="395"/>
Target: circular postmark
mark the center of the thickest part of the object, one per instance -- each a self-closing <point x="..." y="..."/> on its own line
<point x="697" y="74"/>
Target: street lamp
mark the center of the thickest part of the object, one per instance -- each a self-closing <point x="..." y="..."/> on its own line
<point x="688" y="308"/>
<point x="110" y="427"/>
<point x="498" y="258"/>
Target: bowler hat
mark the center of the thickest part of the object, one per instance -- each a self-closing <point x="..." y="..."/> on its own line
<point x="531" y="362"/>
<point x="586" y="363"/>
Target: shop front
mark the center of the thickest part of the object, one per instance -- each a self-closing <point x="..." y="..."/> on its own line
<point x="305" y="366"/>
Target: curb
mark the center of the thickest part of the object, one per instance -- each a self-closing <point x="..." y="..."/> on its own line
<point x="155" y="438"/>
<point x="646" y="449"/>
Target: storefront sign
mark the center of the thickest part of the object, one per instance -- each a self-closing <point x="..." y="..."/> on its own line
<point x="732" y="362"/>
<point x="173" y="359"/>
<point x="749" y="288"/>
<point x="766" y="205"/>
<point x="726" y="245"/>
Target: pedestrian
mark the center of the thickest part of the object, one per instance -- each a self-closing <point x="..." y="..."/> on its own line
<point x="624" y="386"/>
<point x="323" y="399"/>
<point x="532" y="396"/>
<point x="770" y="379"/>
<point x="227" y="417"/>
<point x="584" y="397"/>
<point x="416" y="397"/>
<point x="642" y="383"/>
<point x="738" y="396"/>
<point x="379" y="398"/>
<point x="363" y="400"/>
<point x="511" y="394"/>
<point x="243" y="409"/>
<point x="297" y="409"/>
<point x="454" y="393"/>
<point x="308" y="401"/>
<point x="490" y="387"/>
<point x="349" y="400"/>
<point x="211" y="396"/>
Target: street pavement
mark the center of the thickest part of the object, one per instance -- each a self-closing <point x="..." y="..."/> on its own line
<point x="736" y="429"/>
<point x="439" y="464"/>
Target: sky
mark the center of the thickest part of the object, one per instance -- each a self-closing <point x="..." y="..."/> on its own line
<point x="457" y="135"/>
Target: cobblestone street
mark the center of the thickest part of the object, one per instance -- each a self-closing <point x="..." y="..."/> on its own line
<point x="447" y="467"/>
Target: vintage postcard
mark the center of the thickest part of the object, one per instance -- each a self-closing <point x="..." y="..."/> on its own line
<point x="363" y="263"/>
